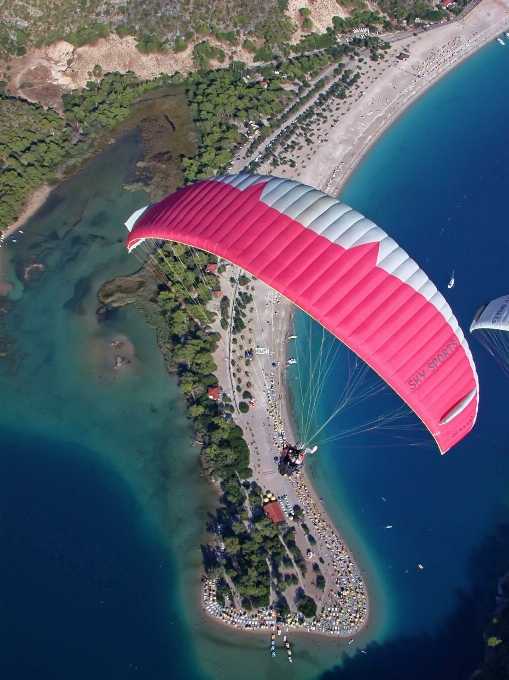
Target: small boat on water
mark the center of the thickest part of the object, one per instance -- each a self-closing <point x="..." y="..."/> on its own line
<point x="389" y="526"/>
<point x="499" y="40"/>
<point x="507" y="35"/>
<point x="451" y="281"/>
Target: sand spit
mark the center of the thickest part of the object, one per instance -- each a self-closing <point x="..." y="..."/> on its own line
<point x="343" y="604"/>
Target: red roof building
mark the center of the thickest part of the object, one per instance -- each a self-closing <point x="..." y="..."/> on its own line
<point x="214" y="393"/>
<point x="218" y="294"/>
<point x="446" y="3"/>
<point x="274" y="512"/>
<point x="211" y="268"/>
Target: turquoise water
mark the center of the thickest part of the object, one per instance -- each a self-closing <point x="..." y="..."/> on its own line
<point x="102" y="503"/>
<point x="89" y="584"/>
<point x="438" y="182"/>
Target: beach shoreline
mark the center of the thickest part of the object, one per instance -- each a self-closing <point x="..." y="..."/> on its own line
<point x="386" y="89"/>
<point x="37" y="199"/>
<point x="359" y="153"/>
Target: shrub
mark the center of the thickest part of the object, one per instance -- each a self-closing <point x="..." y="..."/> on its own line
<point x="243" y="407"/>
<point x="180" y="45"/>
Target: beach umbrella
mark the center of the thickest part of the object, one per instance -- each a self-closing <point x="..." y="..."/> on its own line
<point x="344" y="271"/>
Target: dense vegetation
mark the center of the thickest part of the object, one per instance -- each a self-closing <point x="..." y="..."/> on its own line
<point x="225" y="454"/>
<point x="220" y="102"/>
<point x="102" y="105"/>
<point x="157" y="25"/>
<point x="38" y="145"/>
<point x="34" y="143"/>
<point x="261" y="26"/>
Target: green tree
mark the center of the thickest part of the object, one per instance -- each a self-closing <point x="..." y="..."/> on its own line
<point x="307" y="606"/>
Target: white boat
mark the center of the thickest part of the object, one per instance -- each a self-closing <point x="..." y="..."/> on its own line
<point x="451" y="282"/>
<point x="507" y="35"/>
<point x="500" y="41"/>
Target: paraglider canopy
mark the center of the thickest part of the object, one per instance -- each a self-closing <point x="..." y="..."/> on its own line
<point x="493" y="315"/>
<point x="490" y="326"/>
<point x="342" y="270"/>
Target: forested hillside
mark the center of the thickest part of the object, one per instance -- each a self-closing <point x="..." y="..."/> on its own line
<point x="158" y="24"/>
<point x="161" y="25"/>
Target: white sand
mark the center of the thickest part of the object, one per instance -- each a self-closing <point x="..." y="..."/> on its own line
<point x="396" y="85"/>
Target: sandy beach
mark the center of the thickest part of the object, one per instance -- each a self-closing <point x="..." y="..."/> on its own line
<point x="37" y="199"/>
<point x="386" y="88"/>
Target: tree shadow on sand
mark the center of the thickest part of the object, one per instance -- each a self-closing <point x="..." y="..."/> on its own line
<point x="455" y="650"/>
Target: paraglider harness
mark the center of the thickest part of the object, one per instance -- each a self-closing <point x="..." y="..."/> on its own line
<point x="291" y="460"/>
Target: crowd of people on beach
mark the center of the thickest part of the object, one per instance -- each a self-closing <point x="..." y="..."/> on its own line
<point x="345" y="608"/>
<point x="274" y="415"/>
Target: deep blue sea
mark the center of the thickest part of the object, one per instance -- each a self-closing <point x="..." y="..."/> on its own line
<point x="97" y="547"/>
<point x="86" y="584"/>
<point x="438" y="183"/>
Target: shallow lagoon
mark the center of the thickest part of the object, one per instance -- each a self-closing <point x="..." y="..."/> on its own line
<point x="89" y="584"/>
